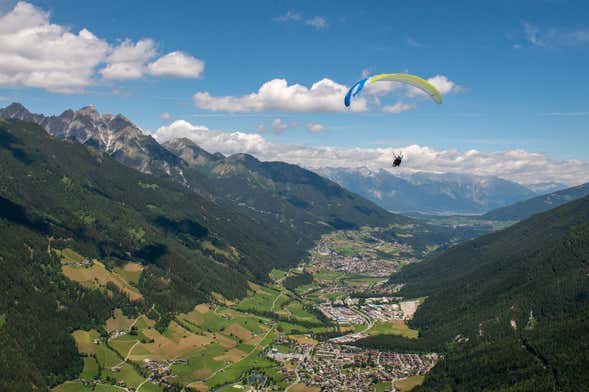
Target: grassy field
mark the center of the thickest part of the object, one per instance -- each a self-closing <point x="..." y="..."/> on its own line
<point x="108" y="388"/>
<point x="394" y="327"/>
<point x="90" y="368"/>
<point x="131" y="272"/>
<point x="277" y="274"/>
<point x="94" y="276"/>
<point x="72" y="386"/>
<point x="201" y="364"/>
<point x="123" y="344"/>
<point x="2" y="320"/>
<point x="408" y="384"/>
<point x="118" y="321"/>
<point x="84" y="341"/>
<point x="382" y="386"/>
<point x="304" y="388"/>
<point x="261" y="300"/>
<point x="251" y="361"/>
<point x="149" y="387"/>
<point x="106" y="357"/>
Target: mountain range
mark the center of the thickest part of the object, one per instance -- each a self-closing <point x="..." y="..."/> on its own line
<point x="430" y="193"/>
<point x="196" y="223"/>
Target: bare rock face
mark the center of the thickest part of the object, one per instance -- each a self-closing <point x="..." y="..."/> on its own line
<point x="115" y="135"/>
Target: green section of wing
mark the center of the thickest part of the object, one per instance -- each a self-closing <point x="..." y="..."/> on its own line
<point x="412" y="80"/>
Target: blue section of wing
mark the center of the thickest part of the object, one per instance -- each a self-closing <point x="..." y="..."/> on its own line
<point x="354" y="90"/>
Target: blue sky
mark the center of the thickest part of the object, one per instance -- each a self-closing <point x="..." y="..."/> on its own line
<point x="519" y="68"/>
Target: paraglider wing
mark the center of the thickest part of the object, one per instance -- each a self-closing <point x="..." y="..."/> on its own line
<point x="412" y="80"/>
<point x="353" y="91"/>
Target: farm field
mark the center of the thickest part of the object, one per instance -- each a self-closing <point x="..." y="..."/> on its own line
<point x="93" y="273"/>
<point x="393" y="327"/>
<point x="408" y="384"/>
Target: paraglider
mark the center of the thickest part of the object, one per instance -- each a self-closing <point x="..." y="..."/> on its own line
<point x="397" y="159"/>
<point x="413" y="80"/>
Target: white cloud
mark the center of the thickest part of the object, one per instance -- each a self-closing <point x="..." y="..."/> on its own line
<point x="317" y="22"/>
<point x="177" y="64"/>
<point x="517" y="165"/>
<point x="165" y="116"/>
<point x="399" y="107"/>
<point x="279" y="126"/>
<point x="277" y="95"/>
<point x="315" y="127"/>
<point x="325" y="95"/>
<point x="36" y="53"/>
<point x="127" y="61"/>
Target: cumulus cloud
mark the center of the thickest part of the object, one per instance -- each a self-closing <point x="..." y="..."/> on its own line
<point x="277" y="95"/>
<point x="127" y="61"/>
<point x="317" y="22"/>
<point x="177" y="64"/>
<point x="314" y="127"/>
<point x="37" y="53"/>
<point x="165" y="116"/>
<point x="517" y="165"/>
<point x="325" y="95"/>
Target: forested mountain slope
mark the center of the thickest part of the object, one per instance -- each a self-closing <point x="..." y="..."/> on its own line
<point x="527" y="208"/>
<point x="510" y="309"/>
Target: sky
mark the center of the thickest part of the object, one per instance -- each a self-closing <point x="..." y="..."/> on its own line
<point x="268" y="77"/>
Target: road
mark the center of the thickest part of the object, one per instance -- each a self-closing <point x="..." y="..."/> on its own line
<point x="274" y="303"/>
<point x="298" y="379"/>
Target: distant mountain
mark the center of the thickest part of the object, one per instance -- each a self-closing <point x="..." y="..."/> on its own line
<point x="527" y="208"/>
<point x="428" y="192"/>
<point x="542" y="188"/>
<point x="509" y="310"/>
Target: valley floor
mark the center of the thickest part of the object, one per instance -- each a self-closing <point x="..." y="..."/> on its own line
<point x="293" y="334"/>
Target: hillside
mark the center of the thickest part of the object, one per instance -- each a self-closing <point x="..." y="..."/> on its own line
<point x="278" y="192"/>
<point x="497" y="306"/>
<point x="429" y="193"/>
<point x="527" y="208"/>
<point x="273" y="194"/>
<point x="57" y="195"/>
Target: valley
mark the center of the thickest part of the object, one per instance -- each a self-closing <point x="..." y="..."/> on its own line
<point x="275" y="338"/>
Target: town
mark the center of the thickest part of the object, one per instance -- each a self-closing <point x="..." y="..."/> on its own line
<point x="333" y="367"/>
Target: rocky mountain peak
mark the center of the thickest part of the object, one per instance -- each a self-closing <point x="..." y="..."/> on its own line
<point x="89" y="111"/>
<point x="116" y="135"/>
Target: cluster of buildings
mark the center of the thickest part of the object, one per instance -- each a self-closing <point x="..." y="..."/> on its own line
<point x="365" y="261"/>
<point x="347" y="368"/>
<point x="85" y="263"/>
<point x="358" y="310"/>
<point x="117" y="332"/>
<point x="341" y="314"/>
<point x="160" y="372"/>
<point x="383" y="312"/>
